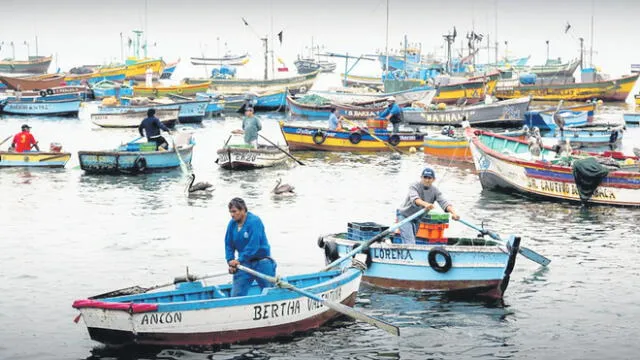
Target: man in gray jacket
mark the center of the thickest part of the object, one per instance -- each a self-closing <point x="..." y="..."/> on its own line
<point x="421" y="195"/>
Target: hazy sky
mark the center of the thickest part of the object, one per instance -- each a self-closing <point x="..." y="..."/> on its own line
<point x="81" y="31"/>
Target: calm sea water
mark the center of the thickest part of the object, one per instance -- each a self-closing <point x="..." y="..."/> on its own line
<point x="67" y="235"/>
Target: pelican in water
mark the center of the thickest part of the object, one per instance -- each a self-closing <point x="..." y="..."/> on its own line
<point x="283" y="189"/>
<point x="199" y="187"/>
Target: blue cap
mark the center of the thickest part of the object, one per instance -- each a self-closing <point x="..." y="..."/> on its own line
<point x="428" y="172"/>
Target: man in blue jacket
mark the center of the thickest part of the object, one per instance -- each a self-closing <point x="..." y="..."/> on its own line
<point x="246" y="236"/>
<point x="393" y="113"/>
<point x="152" y="126"/>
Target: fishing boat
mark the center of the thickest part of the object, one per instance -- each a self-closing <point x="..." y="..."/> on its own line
<point x="362" y="81"/>
<point x="161" y="90"/>
<point x="197" y="314"/>
<point x="137" y="68"/>
<point x="97" y="75"/>
<point x="306" y="66"/>
<point x="297" y="84"/>
<point x="453" y="146"/>
<point x="50" y="94"/>
<point x="312" y="107"/>
<point x="533" y="118"/>
<point x="228" y="59"/>
<point x="472" y="90"/>
<point x="405" y="97"/>
<point x="500" y="113"/>
<point x="35" y="65"/>
<point x="43" y="108"/>
<point x="50" y="159"/>
<point x="458" y="266"/>
<point x="239" y="156"/>
<point x="36" y="82"/>
<point x="216" y="103"/>
<point x="107" y="88"/>
<point x="554" y="68"/>
<point x="596" y="135"/>
<point x="135" y="158"/>
<point x="316" y="138"/>
<point x="631" y="118"/>
<point x="570" y="118"/>
<point x="637" y="99"/>
<point x="607" y="90"/>
<point x="169" y="69"/>
<point x="506" y="164"/>
<point x="133" y="117"/>
<point x="191" y="111"/>
<point x="326" y="66"/>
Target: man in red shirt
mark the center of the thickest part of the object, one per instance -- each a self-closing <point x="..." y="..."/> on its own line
<point x="24" y="141"/>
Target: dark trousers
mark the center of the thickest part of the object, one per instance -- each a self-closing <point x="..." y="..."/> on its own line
<point x="160" y="142"/>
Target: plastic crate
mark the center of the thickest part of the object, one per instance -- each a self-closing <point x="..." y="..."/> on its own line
<point x="431" y="231"/>
<point x="132" y="147"/>
<point x="364" y="231"/>
<point x="149" y="146"/>
<point x="435" y="218"/>
<point x="377" y="124"/>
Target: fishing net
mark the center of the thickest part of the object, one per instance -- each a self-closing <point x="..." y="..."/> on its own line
<point x="313" y="100"/>
<point x="588" y="174"/>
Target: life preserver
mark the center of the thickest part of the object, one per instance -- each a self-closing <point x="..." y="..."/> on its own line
<point x="355" y="137"/>
<point x="179" y="91"/>
<point x="140" y="164"/>
<point x="319" y="137"/>
<point x="43" y="93"/>
<point x="434" y="263"/>
<point x="394" y="139"/>
<point x="331" y="251"/>
<point x="49" y="92"/>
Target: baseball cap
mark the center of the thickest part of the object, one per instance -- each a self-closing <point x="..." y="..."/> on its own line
<point x="428" y="172"/>
<point x="25" y="126"/>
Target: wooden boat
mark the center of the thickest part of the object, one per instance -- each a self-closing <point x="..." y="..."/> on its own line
<point x="305" y="66"/>
<point x="297" y="84"/>
<point x="216" y="103"/>
<point x="505" y="164"/>
<point x="237" y="156"/>
<point x="191" y="111"/>
<point x="136" y="69"/>
<point x="555" y="68"/>
<point x="98" y="75"/>
<point x="199" y="314"/>
<point x="225" y="60"/>
<point x="50" y="94"/>
<point x="108" y="88"/>
<point x="570" y="118"/>
<point x="473" y="90"/>
<point x="594" y="135"/>
<point x="169" y="69"/>
<point x="39" y="82"/>
<point x="182" y="89"/>
<point x="133" y="117"/>
<point x="132" y="159"/>
<point x="34" y="159"/>
<point x="35" y="65"/>
<point x="460" y="266"/>
<point x="362" y="81"/>
<point x="404" y="97"/>
<point x="326" y="66"/>
<point x="315" y="138"/>
<point x="455" y="147"/>
<point x="501" y="113"/>
<point x="534" y="118"/>
<point x="609" y="90"/>
<point x="43" y="108"/>
<point x="637" y="99"/>
<point x="363" y="110"/>
<point x="631" y="118"/>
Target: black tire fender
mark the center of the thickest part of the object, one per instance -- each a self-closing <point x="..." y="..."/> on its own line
<point x="355" y="137"/>
<point x="433" y="253"/>
<point x="331" y="251"/>
<point x="394" y="139"/>
<point x="49" y="92"/>
<point x="43" y="93"/>
<point x="367" y="252"/>
<point x="140" y="164"/>
<point x="321" y="242"/>
<point x="319" y="137"/>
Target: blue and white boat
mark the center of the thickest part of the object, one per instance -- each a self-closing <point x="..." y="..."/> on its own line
<point x="169" y="69"/>
<point x="51" y="94"/>
<point x="197" y="314"/>
<point x="570" y="118"/>
<point x="106" y="88"/>
<point x="461" y="266"/>
<point x="535" y="118"/>
<point x="587" y="136"/>
<point x="216" y="103"/>
<point x="41" y="108"/>
<point x="274" y="100"/>
<point x="134" y="158"/>
<point x="631" y="118"/>
<point x="191" y="111"/>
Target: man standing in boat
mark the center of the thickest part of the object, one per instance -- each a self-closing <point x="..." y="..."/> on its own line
<point x="152" y="126"/>
<point x="24" y="140"/>
<point x="393" y="113"/>
<point x="422" y="194"/>
<point x="334" y="123"/>
<point x="250" y="127"/>
<point x="246" y="236"/>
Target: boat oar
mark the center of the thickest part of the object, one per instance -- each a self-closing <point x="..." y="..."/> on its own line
<point x="526" y="252"/>
<point x="346" y="310"/>
<point x="132" y="141"/>
<point x="381" y="235"/>
<point x="139" y="290"/>
<point x="183" y="166"/>
<point x="53" y="157"/>
<point x="5" y="140"/>
<point x="281" y="149"/>
<point x="373" y="136"/>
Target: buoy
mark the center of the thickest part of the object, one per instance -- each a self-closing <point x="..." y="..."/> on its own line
<point x="629" y="161"/>
<point x="412" y="149"/>
<point x="442" y="106"/>
<point x="600" y="102"/>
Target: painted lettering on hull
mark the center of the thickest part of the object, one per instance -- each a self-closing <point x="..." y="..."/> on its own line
<point x="275" y="310"/>
<point x="333" y="295"/>
<point x="392" y="254"/>
<point x="161" y="318"/>
<point x="567" y="189"/>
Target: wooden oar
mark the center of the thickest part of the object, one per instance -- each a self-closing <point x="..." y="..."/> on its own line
<point x="139" y="290"/>
<point x="5" y="140"/>
<point x="279" y="148"/>
<point x="373" y="136"/>
<point x="132" y="141"/>
<point x="381" y="235"/>
<point x="526" y="252"/>
<point x="183" y="166"/>
<point x="346" y="310"/>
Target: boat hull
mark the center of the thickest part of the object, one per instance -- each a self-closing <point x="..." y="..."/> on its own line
<point x="515" y="171"/>
<point x="473" y="91"/>
<point x="35" y="65"/>
<point x="475" y="270"/>
<point x="43" y="108"/>
<point x="183" y="90"/>
<point x="41" y="82"/>
<point x="190" y="111"/>
<point x="453" y="148"/>
<point x="34" y="159"/>
<point x="302" y="138"/>
<point x="126" y="162"/>
<point x="631" y="118"/>
<point x="133" y="117"/>
<point x="223" y="320"/>
<point x="246" y="158"/>
<point x="501" y="113"/>
<point x="298" y="84"/>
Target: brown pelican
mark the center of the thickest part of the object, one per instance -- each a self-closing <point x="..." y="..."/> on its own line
<point x="199" y="187"/>
<point x="282" y="189"/>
